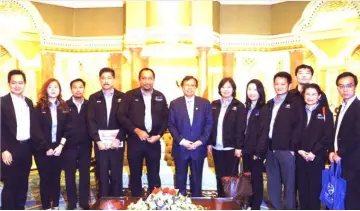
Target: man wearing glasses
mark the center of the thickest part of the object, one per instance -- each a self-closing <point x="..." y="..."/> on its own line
<point x="347" y="138"/>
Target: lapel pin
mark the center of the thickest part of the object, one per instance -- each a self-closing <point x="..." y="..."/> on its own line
<point x="119" y="100"/>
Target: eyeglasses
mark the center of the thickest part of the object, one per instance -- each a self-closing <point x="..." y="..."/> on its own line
<point x="343" y="86"/>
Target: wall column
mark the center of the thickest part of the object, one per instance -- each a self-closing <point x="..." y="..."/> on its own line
<point x="116" y="61"/>
<point x="203" y="73"/>
<point x="228" y="64"/>
<point x="47" y="66"/>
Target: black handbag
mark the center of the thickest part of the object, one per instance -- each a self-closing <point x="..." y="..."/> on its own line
<point x="238" y="187"/>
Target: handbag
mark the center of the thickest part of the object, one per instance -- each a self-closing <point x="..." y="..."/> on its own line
<point x="238" y="187"/>
<point x="333" y="188"/>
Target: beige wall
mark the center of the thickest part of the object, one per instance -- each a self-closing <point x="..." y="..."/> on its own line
<point x="60" y="19"/>
<point x="285" y="15"/>
<point x="75" y="22"/>
<point x="245" y="19"/>
<point x="227" y="19"/>
<point x="104" y="22"/>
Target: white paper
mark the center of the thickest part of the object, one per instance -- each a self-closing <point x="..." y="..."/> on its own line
<point x="108" y="136"/>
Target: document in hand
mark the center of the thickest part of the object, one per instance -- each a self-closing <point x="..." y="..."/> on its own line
<point x="108" y="136"/>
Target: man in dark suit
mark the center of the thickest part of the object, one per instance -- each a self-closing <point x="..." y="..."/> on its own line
<point x="144" y="114"/>
<point x="190" y="124"/>
<point x="77" y="151"/>
<point x="347" y="138"/>
<point x="304" y="74"/>
<point x="18" y="136"/>
<point x="284" y="136"/>
<point x="102" y="110"/>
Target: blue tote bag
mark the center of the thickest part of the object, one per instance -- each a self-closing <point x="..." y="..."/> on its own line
<point x="333" y="188"/>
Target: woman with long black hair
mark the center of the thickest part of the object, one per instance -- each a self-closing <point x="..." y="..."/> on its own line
<point x="256" y="139"/>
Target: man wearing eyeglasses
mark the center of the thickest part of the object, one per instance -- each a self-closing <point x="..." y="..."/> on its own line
<point x="347" y="138"/>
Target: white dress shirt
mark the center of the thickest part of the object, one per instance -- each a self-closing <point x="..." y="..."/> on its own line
<point x="148" y="117"/>
<point x="22" y="114"/>
<point x="277" y="104"/>
<point x="344" y="108"/>
<point x="190" y="107"/>
<point x="108" y="100"/>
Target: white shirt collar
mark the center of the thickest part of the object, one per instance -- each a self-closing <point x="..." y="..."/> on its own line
<point x="189" y="99"/>
<point x="351" y="100"/>
<point x="15" y="97"/>
<point x="76" y="103"/>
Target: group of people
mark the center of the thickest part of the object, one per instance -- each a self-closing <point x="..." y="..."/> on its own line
<point x="294" y="133"/>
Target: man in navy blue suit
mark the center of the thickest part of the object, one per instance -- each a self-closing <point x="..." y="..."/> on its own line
<point x="190" y="124"/>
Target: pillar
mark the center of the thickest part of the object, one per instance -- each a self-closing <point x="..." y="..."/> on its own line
<point x="203" y="73"/>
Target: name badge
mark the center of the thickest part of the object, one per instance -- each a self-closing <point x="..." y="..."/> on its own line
<point x="288" y="106"/>
<point x="136" y="100"/>
<point x="320" y="116"/>
<point x="158" y="98"/>
<point x="214" y="108"/>
<point x="99" y="101"/>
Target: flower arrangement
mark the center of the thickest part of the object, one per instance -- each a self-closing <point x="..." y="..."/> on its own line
<point x="165" y="199"/>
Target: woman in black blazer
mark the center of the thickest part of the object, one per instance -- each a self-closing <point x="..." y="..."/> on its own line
<point x="52" y="113"/>
<point x="256" y="139"/>
<point x="227" y="136"/>
<point x="317" y="138"/>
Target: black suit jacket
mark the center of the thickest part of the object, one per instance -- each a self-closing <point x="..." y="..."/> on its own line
<point x="79" y="133"/>
<point x="287" y="126"/>
<point x="233" y="124"/>
<point x="132" y="113"/>
<point x="45" y="123"/>
<point x="9" y="125"/>
<point x="349" y="137"/>
<point x="322" y="101"/>
<point x="318" y="136"/>
<point x="97" y="115"/>
<point x="257" y="132"/>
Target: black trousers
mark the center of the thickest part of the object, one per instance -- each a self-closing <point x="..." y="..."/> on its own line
<point x="77" y="157"/>
<point x="352" y="196"/>
<point x="136" y="155"/>
<point x="49" y="168"/>
<point x="226" y="164"/>
<point x="309" y="181"/>
<point x="181" y="173"/>
<point x="16" y="178"/>
<point x="110" y="163"/>
<point x="255" y="167"/>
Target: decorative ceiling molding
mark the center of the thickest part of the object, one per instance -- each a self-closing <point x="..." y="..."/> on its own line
<point x="120" y="3"/>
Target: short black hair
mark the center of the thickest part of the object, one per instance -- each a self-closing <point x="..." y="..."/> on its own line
<point x="188" y="78"/>
<point x="347" y="74"/>
<point x="77" y="80"/>
<point x="107" y="70"/>
<point x="16" y="72"/>
<point x="260" y="89"/>
<point x="311" y="86"/>
<point x="283" y="75"/>
<point x="304" y="66"/>
<point x="223" y="82"/>
<point x="146" y="69"/>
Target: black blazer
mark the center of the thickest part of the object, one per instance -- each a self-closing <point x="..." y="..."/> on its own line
<point x="9" y="125"/>
<point x="257" y="132"/>
<point x="97" y="115"/>
<point x="287" y="125"/>
<point x="79" y="130"/>
<point x="233" y="125"/>
<point x="318" y="136"/>
<point x="349" y="137"/>
<point x="322" y="101"/>
<point x="132" y="112"/>
<point x="45" y="123"/>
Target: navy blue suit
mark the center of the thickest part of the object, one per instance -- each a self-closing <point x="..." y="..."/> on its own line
<point x="200" y="129"/>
